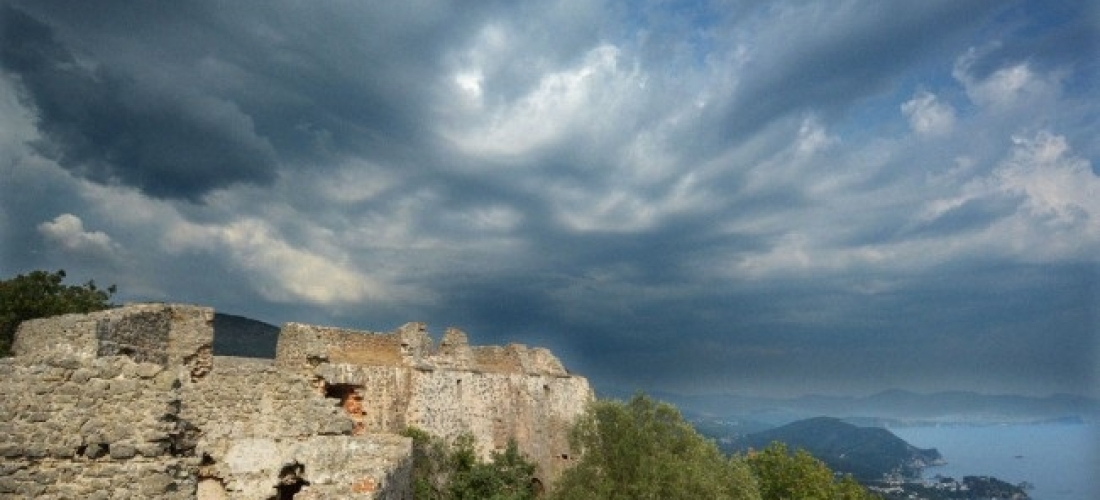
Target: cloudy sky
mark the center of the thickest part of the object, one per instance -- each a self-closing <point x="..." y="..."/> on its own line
<point x="758" y="198"/>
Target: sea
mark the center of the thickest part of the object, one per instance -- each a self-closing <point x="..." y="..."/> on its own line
<point x="1061" y="461"/>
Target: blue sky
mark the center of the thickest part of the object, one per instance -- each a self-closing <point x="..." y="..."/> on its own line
<point x="757" y="198"/>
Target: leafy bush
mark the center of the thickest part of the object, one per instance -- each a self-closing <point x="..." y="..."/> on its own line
<point x="783" y="475"/>
<point x="645" y="450"/>
<point x="443" y="471"/>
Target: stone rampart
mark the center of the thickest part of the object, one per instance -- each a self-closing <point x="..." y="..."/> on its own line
<point x="493" y="393"/>
<point x="132" y="403"/>
<point x="103" y="429"/>
<point x="165" y="334"/>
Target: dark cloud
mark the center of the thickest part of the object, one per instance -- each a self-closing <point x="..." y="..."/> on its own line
<point x="106" y="127"/>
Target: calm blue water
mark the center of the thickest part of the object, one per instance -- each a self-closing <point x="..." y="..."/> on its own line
<point x="1061" y="460"/>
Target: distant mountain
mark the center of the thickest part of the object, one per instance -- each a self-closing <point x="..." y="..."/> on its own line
<point x="868" y="453"/>
<point x="894" y="407"/>
<point x="244" y="337"/>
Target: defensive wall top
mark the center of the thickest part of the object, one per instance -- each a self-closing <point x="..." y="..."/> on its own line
<point x="179" y="335"/>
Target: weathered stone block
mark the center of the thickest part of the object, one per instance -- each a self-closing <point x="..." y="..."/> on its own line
<point x="122" y="451"/>
<point x="156" y="484"/>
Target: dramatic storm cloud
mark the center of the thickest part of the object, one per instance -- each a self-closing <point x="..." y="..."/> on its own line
<point x="780" y="198"/>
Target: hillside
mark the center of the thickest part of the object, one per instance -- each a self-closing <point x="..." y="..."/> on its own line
<point x="244" y="337"/>
<point x="893" y="407"/>
<point x="865" y="452"/>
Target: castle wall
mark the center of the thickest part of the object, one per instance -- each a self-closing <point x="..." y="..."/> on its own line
<point x="535" y="410"/>
<point x="257" y="421"/>
<point x="245" y="398"/>
<point x="169" y="335"/>
<point x="103" y="429"/>
<point x="492" y="393"/>
<point x="131" y="403"/>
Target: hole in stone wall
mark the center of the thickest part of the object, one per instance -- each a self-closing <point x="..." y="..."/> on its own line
<point x="95" y="451"/>
<point x="290" y="481"/>
<point x="537" y="487"/>
<point x="352" y="403"/>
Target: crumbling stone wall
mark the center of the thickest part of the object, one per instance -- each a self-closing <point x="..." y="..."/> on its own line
<point x="131" y="403"/>
<point x="493" y="393"/>
<point x="262" y="428"/>
<point x="169" y="335"/>
<point x="89" y="406"/>
<point x="105" y="429"/>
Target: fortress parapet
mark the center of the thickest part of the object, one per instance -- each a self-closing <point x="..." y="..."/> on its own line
<point x="133" y="402"/>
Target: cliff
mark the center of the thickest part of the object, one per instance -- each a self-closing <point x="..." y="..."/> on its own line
<point x="132" y="403"/>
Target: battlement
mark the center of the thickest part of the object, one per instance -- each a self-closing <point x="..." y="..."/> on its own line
<point x="305" y="346"/>
<point x="133" y="399"/>
<point x="169" y="335"/>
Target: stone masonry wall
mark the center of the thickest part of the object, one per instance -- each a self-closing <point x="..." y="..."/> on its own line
<point x="105" y="429"/>
<point x="257" y="421"/>
<point x="493" y="393"/>
<point x="132" y="403"/>
<point x="89" y="406"/>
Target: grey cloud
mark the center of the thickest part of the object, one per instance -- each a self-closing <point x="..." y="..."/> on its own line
<point x="264" y="111"/>
<point x="104" y="126"/>
<point x="1055" y="26"/>
<point x="200" y="97"/>
<point x="826" y="57"/>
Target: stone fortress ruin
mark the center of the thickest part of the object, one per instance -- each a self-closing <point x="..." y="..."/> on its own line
<point x="132" y="403"/>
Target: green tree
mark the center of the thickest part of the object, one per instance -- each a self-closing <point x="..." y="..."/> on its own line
<point x="643" y="450"/>
<point x="41" y="294"/>
<point x="443" y="471"/>
<point x="508" y="476"/>
<point x="782" y="475"/>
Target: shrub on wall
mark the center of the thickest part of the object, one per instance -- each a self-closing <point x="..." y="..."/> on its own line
<point x="453" y="471"/>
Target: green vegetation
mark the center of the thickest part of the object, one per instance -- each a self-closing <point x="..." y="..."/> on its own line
<point x="643" y="449"/>
<point x="41" y="294"/>
<point x="443" y="471"/>
<point x="783" y="475"/>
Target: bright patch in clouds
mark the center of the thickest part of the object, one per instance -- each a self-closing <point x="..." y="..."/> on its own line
<point x="1013" y="86"/>
<point x="928" y="116"/>
<point x="563" y="103"/>
<point x="67" y="231"/>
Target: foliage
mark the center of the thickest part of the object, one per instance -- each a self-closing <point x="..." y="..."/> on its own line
<point x="783" y="475"/>
<point x="642" y="450"/>
<point x="443" y="471"/>
<point x="41" y="294"/>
